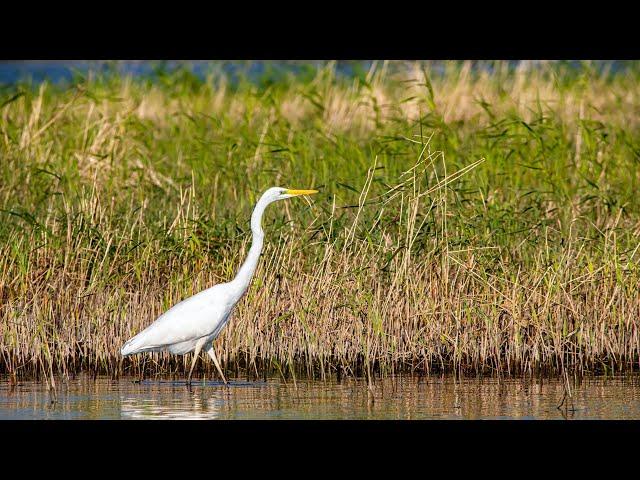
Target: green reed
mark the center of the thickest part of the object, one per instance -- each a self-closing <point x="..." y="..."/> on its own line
<point x="468" y="221"/>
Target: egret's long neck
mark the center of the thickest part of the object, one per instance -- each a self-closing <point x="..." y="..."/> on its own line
<point x="249" y="266"/>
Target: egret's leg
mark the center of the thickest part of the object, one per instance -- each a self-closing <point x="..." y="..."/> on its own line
<point x="144" y="361"/>
<point x="212" y="354"/>
<point x="196" y="352"/>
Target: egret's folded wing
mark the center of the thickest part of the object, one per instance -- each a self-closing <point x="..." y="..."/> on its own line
<point x="190" y="319"/>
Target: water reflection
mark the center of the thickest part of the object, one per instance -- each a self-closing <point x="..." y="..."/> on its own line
<point x="392" y="398"/>
<point x="186" y="407"/>
<point x="173" y="400"/>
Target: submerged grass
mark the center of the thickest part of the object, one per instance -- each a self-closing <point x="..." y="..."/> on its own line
<point x="478" y="221"/>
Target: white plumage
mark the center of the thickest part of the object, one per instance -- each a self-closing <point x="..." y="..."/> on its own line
<point x="194" y="323"/>
<point x="179" y="328"/>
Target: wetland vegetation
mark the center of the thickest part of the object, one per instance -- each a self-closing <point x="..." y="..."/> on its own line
<point x="469" y="220"/>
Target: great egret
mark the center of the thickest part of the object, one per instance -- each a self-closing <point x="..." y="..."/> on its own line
<point x="194" y="323"/>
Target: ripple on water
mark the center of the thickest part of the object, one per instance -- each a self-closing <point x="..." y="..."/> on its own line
<point x="400" y="397"/>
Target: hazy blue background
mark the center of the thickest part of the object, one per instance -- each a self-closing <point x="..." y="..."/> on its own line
<point x="61" y="71"/>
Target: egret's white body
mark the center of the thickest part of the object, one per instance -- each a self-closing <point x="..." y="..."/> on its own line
<point x="194" y="323"/>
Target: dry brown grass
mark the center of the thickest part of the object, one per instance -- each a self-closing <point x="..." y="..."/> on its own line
<point x="357" y="290"/>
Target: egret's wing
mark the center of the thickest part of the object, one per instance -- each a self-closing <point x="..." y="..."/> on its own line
<point x="193" y="318"/>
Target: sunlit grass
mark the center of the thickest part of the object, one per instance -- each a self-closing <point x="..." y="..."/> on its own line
<point x="469" y="221"/>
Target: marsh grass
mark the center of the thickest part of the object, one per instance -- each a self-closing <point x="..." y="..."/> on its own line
<point x="470" y="221"/>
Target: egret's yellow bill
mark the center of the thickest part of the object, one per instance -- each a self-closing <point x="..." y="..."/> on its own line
<point x="301" y="192"/>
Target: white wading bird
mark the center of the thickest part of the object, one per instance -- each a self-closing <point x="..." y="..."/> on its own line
<point x="194" y="323"/>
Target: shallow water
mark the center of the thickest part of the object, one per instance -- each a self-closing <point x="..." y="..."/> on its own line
<point x="400" y="397"/>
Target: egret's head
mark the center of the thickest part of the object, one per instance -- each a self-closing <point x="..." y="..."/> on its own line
<point x="279" y="193"/>
<point x="272" y="195"/>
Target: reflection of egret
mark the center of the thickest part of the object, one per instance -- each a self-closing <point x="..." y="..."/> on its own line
<point x="176" y="404"/>
<point x="194" y="323"/>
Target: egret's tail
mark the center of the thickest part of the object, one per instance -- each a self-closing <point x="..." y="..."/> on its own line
<point x="130" y="347"/>
<point x="140" y="343"/>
